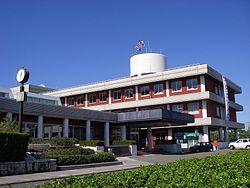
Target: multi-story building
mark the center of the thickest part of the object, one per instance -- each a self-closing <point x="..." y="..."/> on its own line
<point x="193" y="89"/>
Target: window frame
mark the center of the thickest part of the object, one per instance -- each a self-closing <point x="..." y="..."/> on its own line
<point x="125" y="93"/>
<point x="142" y="89"/>
<point x="177" y="108"/>
<point x="91" y="97"/>
<point x="79" y="98"/>
<point x="117" y="91"/>
<point x="174" y="83"/>
<point x="192" y="84"/>
<point x="157" y="85"/>
<point x="105" y="96"/>
<point x="69" y="99"/>
<point x="193" y="112"/>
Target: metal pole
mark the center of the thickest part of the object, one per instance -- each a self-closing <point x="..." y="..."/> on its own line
<point x="20" y="122"/>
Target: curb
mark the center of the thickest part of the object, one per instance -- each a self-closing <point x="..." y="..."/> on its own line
<point x="113" y="163"/>
<point x="72" y="167"/>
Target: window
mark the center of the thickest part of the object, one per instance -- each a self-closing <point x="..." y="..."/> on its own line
<point x="145" y="108"/>
<point x="158" y="89"/>
<point x="80" y="100"/>
<point x="129" y="93"/>
<point x="218" y="111"/>
<point x="192" y="84"/>
<point x="193" y="108"/>
<point x="176" y="86"/>
<point x="245" y="141"/>
<point x="5" y="95"/>
<point x="117" y="94"/>
<point x="177" y="108"/>
<point x="92" y="98"/>
<point x="71" y="101"/>
<point x="103" y="97"/>
<point x="216" y="89"/>
<point x="144" y="90"/>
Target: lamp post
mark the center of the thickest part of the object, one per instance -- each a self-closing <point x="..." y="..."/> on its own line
<point x="22" y="77"/>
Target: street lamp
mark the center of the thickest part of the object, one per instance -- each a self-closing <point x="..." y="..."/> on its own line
<point x="22" y="77"/>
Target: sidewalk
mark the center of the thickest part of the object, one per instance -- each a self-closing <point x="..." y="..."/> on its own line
<point x="40" y="178"/>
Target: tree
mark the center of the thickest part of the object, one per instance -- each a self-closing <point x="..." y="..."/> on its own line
<point x="9" y="125"/>
<point x="244" y="134"/>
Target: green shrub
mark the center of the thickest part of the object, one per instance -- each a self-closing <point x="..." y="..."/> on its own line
<point x="68" y="151"/>
<point x="13" y="146"/>
<point x="83" y="159"/>
<point x="55" y="141"/>
<point x="229" y="170"/>
<point x="91" y="143"/>
<point x="125" y="142"/>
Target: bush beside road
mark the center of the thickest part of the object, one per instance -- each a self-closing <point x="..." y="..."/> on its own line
<point x="229" y="170"/>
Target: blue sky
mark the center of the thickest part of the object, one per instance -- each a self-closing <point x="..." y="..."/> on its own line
<point x="68" y="43"/>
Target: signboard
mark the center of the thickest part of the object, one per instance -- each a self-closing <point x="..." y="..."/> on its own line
<point x="21" y="96"/>
<point x="226" y="106"/>
<point x="226" y="98"/>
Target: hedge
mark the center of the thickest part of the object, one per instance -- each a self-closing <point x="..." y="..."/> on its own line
<point x="55" y="141"/>
<point x="68" y="151"/>
<point x="13" y="146"/>
<point x="91" y="143"/>
<point x="83" y="159"/>
<point x="124" y="142"/>
<point x="229" y="170"/>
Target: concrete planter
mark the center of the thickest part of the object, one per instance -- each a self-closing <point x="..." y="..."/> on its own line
<point x="95" y="148"/>
<point x="133" y="150"/>
<point x="122" y="150"/>
<point x="24" y="167"/>
<point x="38" y="147"/>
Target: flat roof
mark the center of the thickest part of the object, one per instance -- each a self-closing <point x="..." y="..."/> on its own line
<point x="141" y="118"/>
<point x="174" y="73"/>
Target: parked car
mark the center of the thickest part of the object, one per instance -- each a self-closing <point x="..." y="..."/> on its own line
<point x="31" y="156"/>
<point x="240" y="144"/>
<point x="201" y="146"/>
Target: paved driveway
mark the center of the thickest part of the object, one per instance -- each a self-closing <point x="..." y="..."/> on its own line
<point x="166" y="158"/>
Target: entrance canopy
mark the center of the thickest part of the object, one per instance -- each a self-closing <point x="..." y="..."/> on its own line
<point x="154" y="118"/>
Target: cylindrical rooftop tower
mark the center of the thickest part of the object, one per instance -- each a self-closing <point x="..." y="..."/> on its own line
<point x="147" y="63"/>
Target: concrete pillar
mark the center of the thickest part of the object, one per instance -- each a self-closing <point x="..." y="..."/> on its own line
<point x="137" y="109"/>
<point x="9" y="116"/>
<point x="149" y="137"/>
<point x="221" y="134"/>
<point x="106" y="134"/>
<point x="226" y="134"/>
<point x="205" y="134"/>
<point x="204" y="108"/>
<point x="86" y="100"/>
<point x="168" y="106"/>
<point x="110" y="97"/>
<point x="202" y="81"/>
<point x="66" y="127"/>
<point x="167" y="88"/>
<point x="123" y="132"/>
<point x="66" y="101"/>
<point x="40" y="127"/>
<point x="236" y="134"/>
<point x="136" y="93"/>
<point x="88" y="130"/>
<point x="170" y="134"/>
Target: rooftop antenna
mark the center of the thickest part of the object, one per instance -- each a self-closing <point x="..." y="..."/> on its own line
<point x="150" y="50"/>
<point x="139" y="46"/>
